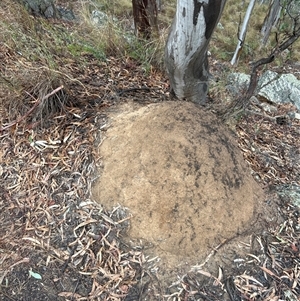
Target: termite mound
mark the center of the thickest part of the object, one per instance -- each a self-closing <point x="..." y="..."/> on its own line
<point x="180" y="173"/>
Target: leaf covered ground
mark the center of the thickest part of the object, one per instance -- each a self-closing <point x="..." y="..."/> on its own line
<point x="56" y="243"/>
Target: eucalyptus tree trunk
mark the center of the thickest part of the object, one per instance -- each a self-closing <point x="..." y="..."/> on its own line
<point x="271" y="20"/>
<point x="242" y="34"/>
<point x="186" y="49"/>
<point x="145" y="17"/>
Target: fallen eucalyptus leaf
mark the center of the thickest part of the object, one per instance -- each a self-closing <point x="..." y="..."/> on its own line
<point x="35" y="275"/>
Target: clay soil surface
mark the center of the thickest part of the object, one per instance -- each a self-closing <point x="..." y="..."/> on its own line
<point x="181" y="175"/>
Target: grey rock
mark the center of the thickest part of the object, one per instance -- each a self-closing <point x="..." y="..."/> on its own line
<point x="290" y="193"/>
<point x="237" y="83"/>
<point x="66" y="14"/>
<point x="264" y="106"/>
<point x="220" y="26"/>
<point x="296" y="116"/>
<point x="268" y="108"/>
<point x="47" y="9"/>
<point x="99" y="18"/>
<point x="50" y="12"/>
<point x="276" y="88"/>
<point x="44" y="8"/>
<point x="279" y="89"/>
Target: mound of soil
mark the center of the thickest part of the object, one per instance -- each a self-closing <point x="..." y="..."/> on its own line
<point x="182" y="176"/>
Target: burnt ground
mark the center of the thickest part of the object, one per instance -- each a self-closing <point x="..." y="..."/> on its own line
<point x="58" y="244"/>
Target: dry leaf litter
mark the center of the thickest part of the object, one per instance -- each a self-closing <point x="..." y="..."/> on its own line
<point x="51" y="228"/>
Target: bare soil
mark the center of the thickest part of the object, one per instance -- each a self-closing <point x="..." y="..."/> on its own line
<point x="182" y="177"/>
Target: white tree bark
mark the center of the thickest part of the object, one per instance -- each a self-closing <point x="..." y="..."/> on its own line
<point x="242" y="34"/>
<point x="186" y="49"/>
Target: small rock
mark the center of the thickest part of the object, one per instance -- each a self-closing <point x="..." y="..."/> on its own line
<point x="238" y="82"/>
<point x="99" y="18"/>
<point x="297" y="116"/>
<point x="279" y="89"/>
<point x="275" y="88"/>
<point x="268" y="108"/>
<point x="290" y="193"/>
<point x="66" y="14"/>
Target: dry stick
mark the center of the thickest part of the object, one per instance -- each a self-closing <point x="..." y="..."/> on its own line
<point x="31" y="110"/>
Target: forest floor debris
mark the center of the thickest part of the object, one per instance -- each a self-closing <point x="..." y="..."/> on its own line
<point x="57" y="244"/>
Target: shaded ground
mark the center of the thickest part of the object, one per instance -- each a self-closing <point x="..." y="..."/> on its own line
<point x="51" y="229"/>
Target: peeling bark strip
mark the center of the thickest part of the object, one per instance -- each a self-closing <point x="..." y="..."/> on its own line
<point x="212" y="13"/>
<point x="186" y="48"/>
<point x="197" y="6"/>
